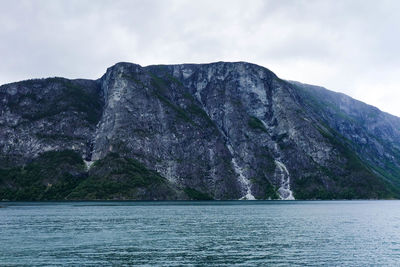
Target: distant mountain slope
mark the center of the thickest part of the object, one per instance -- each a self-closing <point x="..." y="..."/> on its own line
<point x="373" y="134"/>
<point x="193" y="131"/>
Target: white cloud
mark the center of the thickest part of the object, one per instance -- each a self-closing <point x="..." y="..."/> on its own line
<point x="347" y="46"/>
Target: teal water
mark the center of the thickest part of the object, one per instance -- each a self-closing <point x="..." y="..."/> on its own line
<point x="236" y="233"/>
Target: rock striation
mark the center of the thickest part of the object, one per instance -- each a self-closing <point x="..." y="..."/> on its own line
<point x="192" y="131"/>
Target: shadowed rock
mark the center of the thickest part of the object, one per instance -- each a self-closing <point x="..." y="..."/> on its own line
<point x="214" y="131"/>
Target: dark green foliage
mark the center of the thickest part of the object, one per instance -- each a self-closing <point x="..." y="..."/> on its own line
<point x="196" y="195"/>
<point x="191" y="110"/>
<point x="364" y="163"/>
<point x="195" y="110"/>
<point x="161" y="86"/>
<point x="117" y="177"/>
<point x="61" y="175"/>
<point x="270" y="191"/>
<point x="72" y="97"/>
<point x="365" y="175"/>
<point x="255" y="123"/>
<point x="263" y="189"/>
<point x="174" y="80"/>
<point x="388" y="169"/>
<point x="132" y="78"/>
<point x="53" y="159"/>
<point x="8" y="161"/>
<point x="52" y="175"/>
<point x="266" y="187"/>
<point x="353" y="162"/>
<point x="320" y="103"/>
<point x="159" y="83"/>
<point x="312" y="187"/>
<point x="356" y="181"/>
<point x="82" y="101"/>
<point x="160" y="92"/>
<point x="181" y="113"/>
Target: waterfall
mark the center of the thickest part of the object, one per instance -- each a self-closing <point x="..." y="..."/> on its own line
<point x="284" y="190"/>
<point x="243" y="181"/>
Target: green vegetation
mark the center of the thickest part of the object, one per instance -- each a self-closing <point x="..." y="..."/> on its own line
<point x="133" y="79"/>
<point x="82" y="101"/>
<point x="351" y="176"/>
<point x="174" y="80"/>
<point x="270" y="192"/>
<point x="160" y="92"/>
<point x="353" y="162"/>
<point x="255" y="123"/>
<point x="61" y="175"/>
<point x="191" y="110"/>
<point x="267" y="161"/>
<point x="312" y="187"/>
<point x="196" y="195"/>
<point x="161" y="87"/>
<point x="390" y="169"/>
<point x="356" y="180"/>
<point x="181" y="113"/>
<point x="195" y="110"/>
<point x="52" y="175"/>
<point x="320" y="103"/>
<point x="117" y="177"/>
<point x="72" y="98"/>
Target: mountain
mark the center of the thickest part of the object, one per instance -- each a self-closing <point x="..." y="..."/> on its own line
<point x="192" y="131"/>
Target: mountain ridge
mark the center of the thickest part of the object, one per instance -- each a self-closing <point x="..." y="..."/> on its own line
<point x="223" y="130"/>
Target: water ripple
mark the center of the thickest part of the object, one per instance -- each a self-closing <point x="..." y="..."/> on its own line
<point x="317" y="233"/>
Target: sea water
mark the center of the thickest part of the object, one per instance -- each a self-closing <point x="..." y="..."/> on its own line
<point x="215" y="233"/>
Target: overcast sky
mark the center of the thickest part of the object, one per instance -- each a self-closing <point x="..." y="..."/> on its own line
<point x="344" y="45"/>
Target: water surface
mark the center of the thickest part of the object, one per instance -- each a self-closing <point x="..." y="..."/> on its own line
<point x="225" y="233"/>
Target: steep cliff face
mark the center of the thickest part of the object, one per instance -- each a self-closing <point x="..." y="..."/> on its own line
<point x="199" y="131"/>
<point x="45" y="115"/>
<point x="372" y="134"/>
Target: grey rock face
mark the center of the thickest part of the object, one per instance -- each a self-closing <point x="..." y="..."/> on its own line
<point x="48" y="114"/>
<point x="374" y="135"/>
<point x="230" y="130"/>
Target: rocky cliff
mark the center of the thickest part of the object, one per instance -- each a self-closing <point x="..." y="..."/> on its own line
<point x="192" y="131"/>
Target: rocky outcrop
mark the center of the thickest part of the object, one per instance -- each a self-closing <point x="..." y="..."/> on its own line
<point x="219" y="130"/>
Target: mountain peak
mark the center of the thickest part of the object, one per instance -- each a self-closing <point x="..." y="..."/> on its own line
<point x="222" y="130"/>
